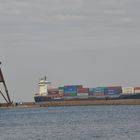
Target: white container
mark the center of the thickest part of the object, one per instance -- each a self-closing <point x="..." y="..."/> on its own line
<point x="137" y="91"/>
<point x="127" y="90"/>
<point x="82" y="94"/>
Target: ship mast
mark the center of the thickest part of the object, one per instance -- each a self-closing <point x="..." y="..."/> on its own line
<point x="7" y="97"/>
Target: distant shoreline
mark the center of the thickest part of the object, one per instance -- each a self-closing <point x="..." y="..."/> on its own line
<point x="73" y="103"/>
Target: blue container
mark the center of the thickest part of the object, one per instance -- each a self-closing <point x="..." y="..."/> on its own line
<point x="99" y="90"/>
<point x="70" y="89"/>
<point x="91" y="89"/>
<point x="112" y="92"/>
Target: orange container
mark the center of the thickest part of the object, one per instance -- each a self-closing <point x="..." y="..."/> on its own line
<point x="82" y="90"/>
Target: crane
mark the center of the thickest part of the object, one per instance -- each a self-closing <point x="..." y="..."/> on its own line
<point x="6" y="97"/>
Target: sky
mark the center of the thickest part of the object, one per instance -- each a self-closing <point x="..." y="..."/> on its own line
<point x="88" y="42"/>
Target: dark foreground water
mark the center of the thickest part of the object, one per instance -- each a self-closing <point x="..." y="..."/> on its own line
<point x="71" y="123"/>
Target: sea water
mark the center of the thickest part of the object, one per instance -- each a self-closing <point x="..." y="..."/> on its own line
<point x="71" y="123"/>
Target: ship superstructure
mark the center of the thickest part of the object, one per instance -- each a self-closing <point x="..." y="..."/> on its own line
<point x="43" y="86"/>
<point x="42" y="95"/>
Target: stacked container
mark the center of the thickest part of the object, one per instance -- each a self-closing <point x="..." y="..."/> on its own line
<point x="70" y="90"/>
<point x="61" y="90"/>
<point x="53" y="91"/>
<point x="128" y="90"/>
<point x="55" y="95"/>
<point x="137" y="90"/>
<point x="113" y="92"/>
<point x="82" y="92"/>
<point x="91" y="91"/>
<point x="99" y="92"/>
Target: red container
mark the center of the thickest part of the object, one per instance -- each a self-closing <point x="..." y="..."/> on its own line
<point x="98" y="94"/>
<point x="115" y="87"/>
<point x="55" y="95"/>
<point x="82" y="90"/>
<point x="136" y="88"/>
<point x="118" y="88"/>
<point x="53" y="89"/>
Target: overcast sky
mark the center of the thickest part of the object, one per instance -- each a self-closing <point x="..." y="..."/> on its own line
<point x="89" y="42"/>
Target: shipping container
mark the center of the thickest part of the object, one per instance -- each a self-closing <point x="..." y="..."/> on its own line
<point x="61" y="87"/>
<point x="99" y="90"/>
<point x="128" y="90"/>
<point x="53" y="91"/>
<point x="98" y="94"/>
<point x="113" y="91"/>
<point x="118" y="88"/>
<point x="70" y="94"/>
<point x="91" y="91"/>
<point x="82" y="97"/>
<point x="82" y="90"/>
<point x="61" y="90"/>
<point x="137" y="90"/>
<point x="69" y="97"/>
<point x="55" y="95"/>
<point x="82" y="94"/>
<point x="70" y="89"/>
<point x="114" y="87"/>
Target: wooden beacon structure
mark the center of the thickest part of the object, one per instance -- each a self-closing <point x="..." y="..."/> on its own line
<point x="4" y="94"/>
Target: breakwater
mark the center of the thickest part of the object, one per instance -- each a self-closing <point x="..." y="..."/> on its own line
<point x="81" y="103"/>
<point x="74" y="103"/>
<point x="91" y="103"/>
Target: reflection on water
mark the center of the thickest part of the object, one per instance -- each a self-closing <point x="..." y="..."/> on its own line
<point x="71" y="123"/>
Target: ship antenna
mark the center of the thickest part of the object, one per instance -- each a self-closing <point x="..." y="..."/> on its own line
<point x="45" y="78"/>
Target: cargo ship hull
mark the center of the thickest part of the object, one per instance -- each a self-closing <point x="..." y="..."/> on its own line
<point x="42" y="98"/>
<point x="46" y="99"/>
<point x="135" y="96"/>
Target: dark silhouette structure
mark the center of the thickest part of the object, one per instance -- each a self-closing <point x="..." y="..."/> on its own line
<point x="6" y="95"/>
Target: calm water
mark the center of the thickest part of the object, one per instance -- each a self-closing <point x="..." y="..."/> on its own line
<point x="71" y="123"/>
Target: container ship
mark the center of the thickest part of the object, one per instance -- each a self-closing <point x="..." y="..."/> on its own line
<point x="78" y="92"/>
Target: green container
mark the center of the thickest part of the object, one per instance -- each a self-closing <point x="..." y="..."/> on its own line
<point x="71" y="94"/>
<point x="61" y="90"/>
